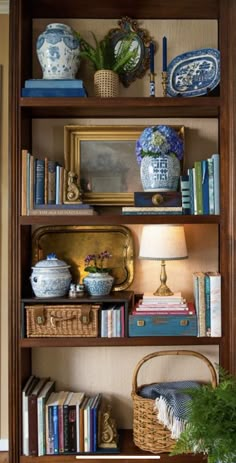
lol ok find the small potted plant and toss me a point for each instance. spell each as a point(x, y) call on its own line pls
point(159, 150)
point(108, 62)
point(211, 423)
point(99, 281)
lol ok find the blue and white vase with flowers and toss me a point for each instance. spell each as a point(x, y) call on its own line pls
point(159, 151)
point(99, 281)
point(58, 50)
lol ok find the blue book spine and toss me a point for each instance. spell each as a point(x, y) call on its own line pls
point(205, 187)
point(191, 191)
point(208, 305)
point(55, 429)
point(216, 176)
point(53, 92)
point(63, 206)
point(58, 184)
point(39, 181)
point(211, 186)
point(54, 83)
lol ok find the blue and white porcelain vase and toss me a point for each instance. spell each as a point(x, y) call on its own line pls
point(58, 52)
point(98, 284)
point(50, 277)
point(160, 173)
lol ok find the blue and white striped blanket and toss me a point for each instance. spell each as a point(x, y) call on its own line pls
point(171, 403)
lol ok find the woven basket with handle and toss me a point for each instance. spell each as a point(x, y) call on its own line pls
point(148, 433)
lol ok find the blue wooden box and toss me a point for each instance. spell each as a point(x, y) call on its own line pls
point(162, 325)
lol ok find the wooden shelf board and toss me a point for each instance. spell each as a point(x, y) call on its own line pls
point(161, 9)
point(127, 448)
point(118, 219)
point(120, 342)
point(122, 107)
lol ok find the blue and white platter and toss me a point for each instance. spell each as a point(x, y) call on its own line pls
point(194, 73)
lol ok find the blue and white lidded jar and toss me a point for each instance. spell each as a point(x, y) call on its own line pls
point(58, 51)
point(50, 277)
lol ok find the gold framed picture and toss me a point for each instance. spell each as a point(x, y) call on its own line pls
point(104, 160)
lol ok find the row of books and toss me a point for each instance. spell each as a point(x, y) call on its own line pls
point(42, 192)
point(113, 322)
point(61, 422)
point(200, 188)
point(53, 88)
point(207, 296)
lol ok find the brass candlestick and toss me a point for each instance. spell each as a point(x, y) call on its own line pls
point(164, 80)
point(152, 84)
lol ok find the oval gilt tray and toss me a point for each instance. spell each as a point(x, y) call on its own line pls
point(73, 243)
point(194, 73)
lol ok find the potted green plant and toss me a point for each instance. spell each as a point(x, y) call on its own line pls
point(211, 423)
point(108, 62)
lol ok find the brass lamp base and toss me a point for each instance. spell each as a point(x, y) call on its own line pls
point(163, 289)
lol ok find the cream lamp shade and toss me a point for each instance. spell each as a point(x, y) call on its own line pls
point(163, 242)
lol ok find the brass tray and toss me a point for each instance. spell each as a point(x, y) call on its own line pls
point(73, 243)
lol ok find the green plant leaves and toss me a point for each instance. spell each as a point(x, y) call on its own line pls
point(211, 427)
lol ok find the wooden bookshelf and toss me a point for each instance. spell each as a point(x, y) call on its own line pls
point(23, 111)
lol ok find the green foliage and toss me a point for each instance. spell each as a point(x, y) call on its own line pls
point(103, 56)
point(211, 427)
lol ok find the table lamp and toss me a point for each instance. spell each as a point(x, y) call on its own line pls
point(163, 242)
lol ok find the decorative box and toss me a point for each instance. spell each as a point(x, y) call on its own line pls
point(62, 320)
point(162, 325)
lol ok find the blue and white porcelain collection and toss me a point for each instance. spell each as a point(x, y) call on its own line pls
point(58, 50)
point(194, 73)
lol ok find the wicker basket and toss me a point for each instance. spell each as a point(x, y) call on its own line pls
point(62, 320)
point(148, 433)
point(106, 83)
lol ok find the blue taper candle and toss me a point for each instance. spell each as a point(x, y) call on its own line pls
point(151, 54)
point(164, 54)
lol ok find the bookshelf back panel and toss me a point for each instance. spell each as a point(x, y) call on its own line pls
point(110, 371)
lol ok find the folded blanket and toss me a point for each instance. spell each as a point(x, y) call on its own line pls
point(171, 403)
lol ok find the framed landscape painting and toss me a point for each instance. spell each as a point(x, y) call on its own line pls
point(104, 159)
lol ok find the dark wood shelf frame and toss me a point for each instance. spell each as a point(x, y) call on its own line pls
point(23, 110)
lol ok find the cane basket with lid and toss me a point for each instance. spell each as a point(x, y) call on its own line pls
point(148, 433)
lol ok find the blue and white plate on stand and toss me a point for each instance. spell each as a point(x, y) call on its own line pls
point(194, 73)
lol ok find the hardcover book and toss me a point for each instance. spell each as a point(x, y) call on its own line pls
point(33, 417)
point(29, 386)
point(53, 92)
point(41, 401)
point(54, 83)
point(132, 210)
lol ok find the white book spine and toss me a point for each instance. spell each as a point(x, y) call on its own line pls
point(215, 304)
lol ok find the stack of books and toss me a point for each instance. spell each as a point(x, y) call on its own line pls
point(200, 188)
point(163, 316)
point(207, 295)
point(164, 305)
point(54, 88)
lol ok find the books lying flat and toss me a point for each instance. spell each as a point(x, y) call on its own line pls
point(189, 310)
point(61, 211)
point(151, 298)
point(54, 83)
point(132, 210)
point(53, 92)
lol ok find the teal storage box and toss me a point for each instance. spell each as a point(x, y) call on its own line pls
point(162, 325)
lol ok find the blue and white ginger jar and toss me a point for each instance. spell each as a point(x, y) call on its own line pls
point(160, 173)
point(98, 284)
point(58, 52)
point(50, 277)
